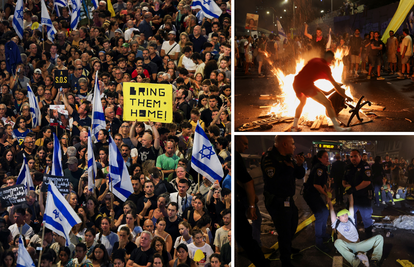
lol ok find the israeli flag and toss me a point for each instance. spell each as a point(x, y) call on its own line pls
point(24, 177)
point(59, 3)
point(118, 172)
point(34, 107)
point(57, 157)
point(75, 17)
point(95, 3)
point(59, 215)
point(23, 256)
point(209, 7)
point(18, 19)
point(280, 31)
point(98, 116)
point(51, 31)
point(204, 160)
point(91, 164)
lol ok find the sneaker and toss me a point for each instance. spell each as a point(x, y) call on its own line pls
point(369, 77)
point(261, 75)
point(401, 77)
point(380, 78)
point(295, 129)
point(399, 73)
point(393, 203)
point(364, 71)
point(383, 202)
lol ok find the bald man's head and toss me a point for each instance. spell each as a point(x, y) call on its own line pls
point(285, 144)
point(242, 143)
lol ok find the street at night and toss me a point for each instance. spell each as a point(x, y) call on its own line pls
point(397, 96)
point(397, 242)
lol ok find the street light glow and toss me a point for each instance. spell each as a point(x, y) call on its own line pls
point(280, 16)
point(284, 10)
point(268, 12)
point(296, 6)
point(321, 11)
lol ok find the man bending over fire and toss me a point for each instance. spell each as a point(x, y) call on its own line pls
point(316, 69)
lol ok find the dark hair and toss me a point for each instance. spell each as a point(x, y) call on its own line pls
point(105, 258)
point(378, 159)
point(318, 155)
point(67, 250)
point(173, 204)
point(8, 253)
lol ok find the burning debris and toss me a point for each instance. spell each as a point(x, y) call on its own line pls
point(349, 113)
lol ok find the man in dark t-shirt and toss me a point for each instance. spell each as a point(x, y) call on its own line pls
point(386, 165)
point(144, 254)
point(172, 221)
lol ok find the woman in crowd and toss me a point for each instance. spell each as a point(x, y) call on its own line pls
point(159, 231)
point(159, 246)
point(182, 257)
point(100, 257)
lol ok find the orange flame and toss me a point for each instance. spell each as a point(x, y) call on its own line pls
point(288, 102)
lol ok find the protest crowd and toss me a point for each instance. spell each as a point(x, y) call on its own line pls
point(135, 193)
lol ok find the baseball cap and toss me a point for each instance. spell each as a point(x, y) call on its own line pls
point(125, 45)
point(38, 71)
point(119, 31)
point(342, 212)
point(172, 32)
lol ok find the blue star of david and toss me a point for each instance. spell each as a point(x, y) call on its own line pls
point(44, 21)
point(20, 13)
point(209, 151)
point(56, 212)
point(206, 2)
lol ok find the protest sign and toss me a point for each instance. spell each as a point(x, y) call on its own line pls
point(148, 101)
point(62, 183)
point(61, 78)
point(12, 195)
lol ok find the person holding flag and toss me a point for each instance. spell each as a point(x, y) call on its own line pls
point(120, 182)
point(34, 107)
point(92, 169)
point(57, 169)
point(46, 21)
point(318, 41)
point(23, 257)
point(24, 177)
point(18, 19)
point(204, 159)
point(59, 215)
point(75, 17)
point(98, 116)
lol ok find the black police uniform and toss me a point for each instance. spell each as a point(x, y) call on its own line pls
point(243, 229)
point(354, 175)
point(318, 176)
point(337, 173)
point(280, 186)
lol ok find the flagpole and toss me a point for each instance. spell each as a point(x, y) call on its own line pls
point(41, 250)
point(198, 175)
point(43, 33)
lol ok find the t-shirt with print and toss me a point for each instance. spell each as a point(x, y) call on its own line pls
point(347, 231)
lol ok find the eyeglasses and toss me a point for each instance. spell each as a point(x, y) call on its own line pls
point(79, 69)
point(64, 138)
point(125, 126)
point(31, 142)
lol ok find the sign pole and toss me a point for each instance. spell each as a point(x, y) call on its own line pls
point(41, 250)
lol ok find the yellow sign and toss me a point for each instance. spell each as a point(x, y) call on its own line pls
point(143, 101)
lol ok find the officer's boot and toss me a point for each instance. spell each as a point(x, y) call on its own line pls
point(368, 232)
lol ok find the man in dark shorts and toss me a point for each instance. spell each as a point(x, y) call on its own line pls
point(316, 69)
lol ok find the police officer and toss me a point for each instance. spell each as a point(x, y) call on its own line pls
point(279, 173)
point(358, 176)
point(316, 196)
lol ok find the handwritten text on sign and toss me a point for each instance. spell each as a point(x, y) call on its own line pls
point(143, 101)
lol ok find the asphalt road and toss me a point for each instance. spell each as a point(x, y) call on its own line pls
point(397, 96)
point(398, 246)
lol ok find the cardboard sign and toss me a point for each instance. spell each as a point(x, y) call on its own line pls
point(62, 183)
point(12, 195)
point(148, 101)
point(61, 78)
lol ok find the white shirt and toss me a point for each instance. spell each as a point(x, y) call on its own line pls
point(167, 47)
point(186, 202)
point(407, 41)
point(189, 64)
point(27, 231)
point(206, 249)
point(128, 33)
